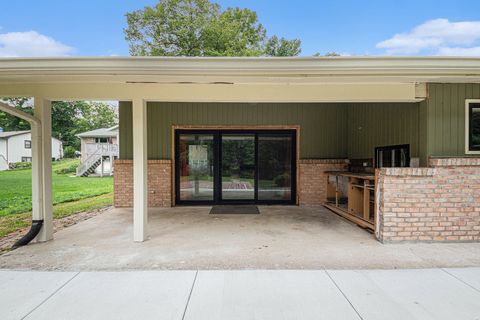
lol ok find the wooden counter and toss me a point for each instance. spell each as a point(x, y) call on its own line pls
point(352, 195)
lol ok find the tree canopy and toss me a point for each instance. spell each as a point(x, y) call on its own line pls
point(201, 28)
point(69, 118)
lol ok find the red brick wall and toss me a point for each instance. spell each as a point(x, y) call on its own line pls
point(439, 203)
point(312, 188)
point(159, 183)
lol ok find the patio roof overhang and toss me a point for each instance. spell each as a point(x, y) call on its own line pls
point(241, 70)
point(142, 79)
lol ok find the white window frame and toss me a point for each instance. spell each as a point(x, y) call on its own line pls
point(467, 126)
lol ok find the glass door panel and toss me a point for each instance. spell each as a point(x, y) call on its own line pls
point(237, 167)
point(275, 167)
point(196, 167)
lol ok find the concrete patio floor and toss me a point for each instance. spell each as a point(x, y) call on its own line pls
point(190, 238)
point(434, 294)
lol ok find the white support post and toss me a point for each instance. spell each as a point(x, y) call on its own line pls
point(42, 205)
point(140, 190)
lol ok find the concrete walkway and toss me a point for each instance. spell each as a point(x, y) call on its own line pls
point(247, 294)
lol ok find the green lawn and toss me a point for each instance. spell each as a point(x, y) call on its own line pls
point(16, 188)
point(13, 222)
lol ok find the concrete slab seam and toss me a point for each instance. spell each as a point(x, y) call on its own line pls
point(190, 295)
point(344, 295)
point(51, 295)
point(459, 279)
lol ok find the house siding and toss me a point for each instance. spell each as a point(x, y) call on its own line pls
point(445, 117)
point(15, 149)
point(434, 127)
point(372, 125)
point(327, 131)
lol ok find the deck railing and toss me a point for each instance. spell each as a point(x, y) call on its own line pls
point(104, 149)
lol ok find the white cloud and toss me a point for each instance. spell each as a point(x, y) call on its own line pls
point(459, 51)
point(438, 36)
point(31, 44)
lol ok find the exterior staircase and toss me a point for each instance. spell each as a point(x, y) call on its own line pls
point(89, 166)
point(95, 159)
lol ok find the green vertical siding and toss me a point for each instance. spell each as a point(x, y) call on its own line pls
point(323, 131)
point(322, 126)
point(445, 117)
point(434, 127)
point(380, 124)
point(327, 130)
point(125, 130)
point(422, 132)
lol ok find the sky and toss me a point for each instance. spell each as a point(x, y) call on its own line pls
point(362, 27)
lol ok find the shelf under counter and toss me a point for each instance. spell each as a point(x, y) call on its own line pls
point(358, 189)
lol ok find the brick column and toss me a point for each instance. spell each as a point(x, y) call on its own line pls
point(159, 183)
point(312, 186)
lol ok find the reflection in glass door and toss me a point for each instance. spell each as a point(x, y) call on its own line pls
point(275, 167)
point(238, 167)
point(196, 170)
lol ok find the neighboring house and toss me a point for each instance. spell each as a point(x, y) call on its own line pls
point(16, 146)
point(391, 143)
point(99, 149)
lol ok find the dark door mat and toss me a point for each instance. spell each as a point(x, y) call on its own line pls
point(235, 209)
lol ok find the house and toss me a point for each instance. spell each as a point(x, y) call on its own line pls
point(99, 149)
point(16, 146)
point(390, 143)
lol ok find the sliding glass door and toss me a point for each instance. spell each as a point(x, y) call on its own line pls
point(229, 167)
point(195, 167)
point(275, 167)
point(237, 159)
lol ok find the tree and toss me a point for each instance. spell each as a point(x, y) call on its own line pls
point(282, 47)
point(12, 123)
point(69, 118)
point(328, 54)
point(200, 28)
point(171, 28)
point(236, 32)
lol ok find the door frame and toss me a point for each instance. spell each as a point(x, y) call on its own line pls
point(235, 129)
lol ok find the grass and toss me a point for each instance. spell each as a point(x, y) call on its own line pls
point(16, 188)
point(70, 195)
point(13, 222)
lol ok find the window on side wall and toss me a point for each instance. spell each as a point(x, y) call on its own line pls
point(472, 127)
point(101, 140)
point(28, 144)
point(392, 156)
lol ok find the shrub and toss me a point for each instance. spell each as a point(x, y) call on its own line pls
point(20, 165)
point(69, 152)
point(282, 180)
point(70, 169)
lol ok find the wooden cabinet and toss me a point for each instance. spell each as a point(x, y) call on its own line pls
point(358, 204)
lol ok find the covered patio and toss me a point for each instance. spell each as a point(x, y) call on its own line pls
point(147, 83)
point(280, 237)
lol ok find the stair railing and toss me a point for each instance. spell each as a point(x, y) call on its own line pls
point(89, 162)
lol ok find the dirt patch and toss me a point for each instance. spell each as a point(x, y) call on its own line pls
point(7, 242)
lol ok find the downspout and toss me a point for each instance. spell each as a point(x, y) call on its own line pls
point(31, 234)
point(36, 224)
